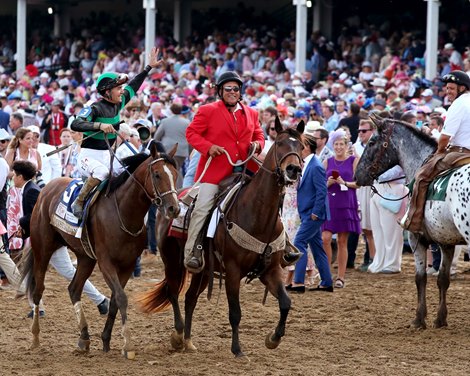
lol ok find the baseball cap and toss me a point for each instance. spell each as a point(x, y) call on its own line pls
point(4, 135)
point(34, 129)
point(427, 93)
point(143, 122)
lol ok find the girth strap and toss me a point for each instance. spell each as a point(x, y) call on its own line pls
point(245, 240)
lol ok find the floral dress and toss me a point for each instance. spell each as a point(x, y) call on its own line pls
point(14, 205)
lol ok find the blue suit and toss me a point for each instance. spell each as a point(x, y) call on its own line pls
point(312, 198)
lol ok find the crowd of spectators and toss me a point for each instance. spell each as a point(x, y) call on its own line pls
point(362, 70)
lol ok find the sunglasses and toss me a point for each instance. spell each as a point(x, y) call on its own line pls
point(364, 130)
point(228, 89)
point(272, 129)
point(3, 141)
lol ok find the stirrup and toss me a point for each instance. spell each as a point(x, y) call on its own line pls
point(77, 208)
point(195, 260)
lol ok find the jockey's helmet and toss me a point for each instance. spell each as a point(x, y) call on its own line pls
point(226, 77)
point(457, 77)
point(110, 80)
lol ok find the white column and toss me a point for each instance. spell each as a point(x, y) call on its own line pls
point(149, 6)
point(21, 37)
point(300, 35)
point(432, 28)
point(177, 21)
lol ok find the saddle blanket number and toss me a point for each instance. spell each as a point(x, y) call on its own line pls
point(63, 209)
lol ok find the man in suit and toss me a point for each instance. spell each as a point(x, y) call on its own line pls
point(219, 127)
point(312, 204)
point(172, 130)
point(23, 173)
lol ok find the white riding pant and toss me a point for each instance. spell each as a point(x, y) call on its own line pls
point(204, 204)
point(94, 163)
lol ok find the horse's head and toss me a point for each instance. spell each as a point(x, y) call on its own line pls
point(162, 182)
point(380, 153)
point(284, 157)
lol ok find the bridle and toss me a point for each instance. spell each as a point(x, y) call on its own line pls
point(385, 144)
point(277, 170)
point(157, 198)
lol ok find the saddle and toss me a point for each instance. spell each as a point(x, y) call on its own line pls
point(64, 219)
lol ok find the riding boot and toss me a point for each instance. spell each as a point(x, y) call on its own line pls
point(291, 254)
point(194, 261)
point(77, 206)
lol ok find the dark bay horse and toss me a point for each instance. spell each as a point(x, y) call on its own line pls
point(117, 234)
point(256, 210)
point(445, 222)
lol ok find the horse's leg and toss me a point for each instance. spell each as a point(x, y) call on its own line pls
point(419, 247)
point(198, 284)
point(118, 301)
point(62, 263)
point(273, 281)
point(443, 282)
point(232, 288)
point(39, 269)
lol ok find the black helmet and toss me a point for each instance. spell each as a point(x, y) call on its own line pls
point(109, 80)
point(457, 77)
point(228, 76)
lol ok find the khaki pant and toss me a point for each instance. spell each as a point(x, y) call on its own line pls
point(11, 271)
point(425, 175)
point(204, 204)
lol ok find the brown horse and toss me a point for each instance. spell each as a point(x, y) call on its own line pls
point(117, 234)
point(256, 210)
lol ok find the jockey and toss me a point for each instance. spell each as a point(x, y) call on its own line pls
point(100, 121)
point(453, 145)
point(219, 127)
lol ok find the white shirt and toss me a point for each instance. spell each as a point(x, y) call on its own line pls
point(307, 160)
point(51, 166)
point(4, 171)
point(457, 123)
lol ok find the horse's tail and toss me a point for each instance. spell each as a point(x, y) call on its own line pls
point(26, 268)
point(176, 280)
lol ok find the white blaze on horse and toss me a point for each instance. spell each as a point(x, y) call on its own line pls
point(446, 221)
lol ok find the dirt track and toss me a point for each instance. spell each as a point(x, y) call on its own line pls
point(361, 330)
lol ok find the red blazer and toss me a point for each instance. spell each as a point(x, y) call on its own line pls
point(214, 125)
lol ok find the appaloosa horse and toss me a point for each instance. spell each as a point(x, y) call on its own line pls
point(256, 212)
point(117, 234)
point(446, 222)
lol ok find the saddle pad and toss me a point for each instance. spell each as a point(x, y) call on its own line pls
point(179, 226)
point(438, 188)
point(63, 210)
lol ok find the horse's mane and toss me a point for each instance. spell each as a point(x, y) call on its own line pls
point(421, 135)
point(130, 164)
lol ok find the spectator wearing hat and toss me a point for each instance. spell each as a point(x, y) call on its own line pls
point(331, 118)
point(428, 99)
point(366, 74)
point(172, 131)
point(455, 58)
point(54, 122)
point(5, 138)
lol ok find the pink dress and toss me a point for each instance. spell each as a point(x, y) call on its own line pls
point(14, 205)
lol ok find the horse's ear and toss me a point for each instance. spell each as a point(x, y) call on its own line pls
point(301, 126)
point(156, 147)
point(378, 121)
point(173, 150)
point(278, 125)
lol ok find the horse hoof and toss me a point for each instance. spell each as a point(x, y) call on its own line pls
point(189, 347)
point(419, 325)
point(439, 324)
point(176, 341)
point(84, 345)
point(270, 342)
point(130, 355)
point(242, 357)
point(35, 344)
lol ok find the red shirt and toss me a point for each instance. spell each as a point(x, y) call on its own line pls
point(213, 124)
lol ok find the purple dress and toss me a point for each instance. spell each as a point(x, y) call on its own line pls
point(343, 204)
